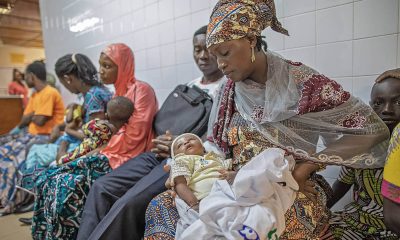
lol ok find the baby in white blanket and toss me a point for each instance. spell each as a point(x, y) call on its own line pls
point(252, 207)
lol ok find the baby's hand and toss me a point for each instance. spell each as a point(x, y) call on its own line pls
point(227, 175)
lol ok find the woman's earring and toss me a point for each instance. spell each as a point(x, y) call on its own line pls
point(253, 56)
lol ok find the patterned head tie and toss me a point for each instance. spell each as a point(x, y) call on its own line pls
point(235, 19)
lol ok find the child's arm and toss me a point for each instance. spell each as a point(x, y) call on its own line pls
point(184, 192)
point(342, 185)
point(73, 130)
point(62, 150)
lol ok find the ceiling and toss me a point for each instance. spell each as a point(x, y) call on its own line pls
point(22, 27)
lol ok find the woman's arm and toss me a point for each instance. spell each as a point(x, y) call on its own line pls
point(185, 193)
point(301, 174)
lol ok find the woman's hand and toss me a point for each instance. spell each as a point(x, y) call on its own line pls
point(227, 175)
point(301, 174)
point(162, 145)
point(394, 73)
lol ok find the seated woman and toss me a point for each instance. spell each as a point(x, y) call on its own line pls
point(269, 102)
point(363, 218)
point(45, 110)
point(17, 87)
point(62, 191)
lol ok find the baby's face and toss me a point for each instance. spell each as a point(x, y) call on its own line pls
point(188, 145)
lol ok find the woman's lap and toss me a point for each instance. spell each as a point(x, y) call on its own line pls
point(162, 217)
point(61, 194)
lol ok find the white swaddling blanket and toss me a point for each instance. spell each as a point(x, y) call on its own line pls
point(252, 208)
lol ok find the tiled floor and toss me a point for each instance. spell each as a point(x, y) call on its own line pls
point(12, 229)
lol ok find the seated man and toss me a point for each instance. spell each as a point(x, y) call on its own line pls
point(363, 218)
point(116, 204)
point(45, 110)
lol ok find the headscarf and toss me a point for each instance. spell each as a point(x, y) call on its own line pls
point(134, 137)
point(235, 19)
point(123, 57)
point(303, 112)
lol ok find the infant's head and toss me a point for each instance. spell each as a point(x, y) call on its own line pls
point(188, 144)
point(119, 110)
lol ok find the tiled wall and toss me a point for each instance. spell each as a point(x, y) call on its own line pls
point(349, 41)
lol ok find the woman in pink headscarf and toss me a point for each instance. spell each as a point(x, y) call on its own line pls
point(62, 191)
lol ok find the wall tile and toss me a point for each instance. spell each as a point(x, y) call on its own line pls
point(182, 7)
point(183, 54)
point(137, 4)
point(168, 77)
point(346, 83)
point(367, 21)
point(166, 10)
point(162, 94)
point(138, 19)
point(199, 19)
point(152, 36)
point(153, 57)
point(364, 85)
point(301, 29)
point(183, 28)
point(197, 5)
point(335, 24)
point(168, 55)
point(140, 60)
point(153, 77)
point(331, 3)
point(294, 7)
point(398, 50)
point(374, 55)
point(335, 59)
point(274, 40)
point(305, 55)
point(139, 39)
point(184, 72)
point(151, 14)
point(165, 32)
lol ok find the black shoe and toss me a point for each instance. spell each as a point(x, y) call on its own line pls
point(26, 221)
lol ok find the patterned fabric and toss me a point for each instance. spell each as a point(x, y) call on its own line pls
point(95, 101)
point(391, 179)
point(362, 218)
point(231, 20)
point(12, 156)
point(161, 218)
point(97, 132)
point(61, 195)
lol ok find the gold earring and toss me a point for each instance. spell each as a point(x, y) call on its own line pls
point(253, 56)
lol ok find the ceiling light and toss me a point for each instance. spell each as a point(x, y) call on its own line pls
point(84, 24)
point(5, 7)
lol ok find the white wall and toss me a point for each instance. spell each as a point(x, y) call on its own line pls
point(349, 41)
point(6, 65)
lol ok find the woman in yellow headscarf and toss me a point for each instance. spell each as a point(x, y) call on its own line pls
point(269, 102)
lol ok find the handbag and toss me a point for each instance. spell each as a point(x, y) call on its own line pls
point(186, 110)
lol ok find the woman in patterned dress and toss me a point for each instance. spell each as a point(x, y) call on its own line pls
point(272, 102)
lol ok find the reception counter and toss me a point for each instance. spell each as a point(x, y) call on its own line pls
point(10, 112)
